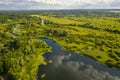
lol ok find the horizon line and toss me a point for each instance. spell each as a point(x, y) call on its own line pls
point(54, 9)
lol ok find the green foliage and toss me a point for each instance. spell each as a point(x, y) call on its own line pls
point(20, 50)
point(93, 33)
point(56, 32)
point(97, 37)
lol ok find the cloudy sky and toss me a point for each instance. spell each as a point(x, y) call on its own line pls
point(58, 4)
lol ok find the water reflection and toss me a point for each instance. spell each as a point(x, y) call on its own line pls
point(42, 22)
point(71, 66)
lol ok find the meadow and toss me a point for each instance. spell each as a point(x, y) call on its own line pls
point(96, 37)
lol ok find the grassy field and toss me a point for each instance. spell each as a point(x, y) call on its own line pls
point(95, 37)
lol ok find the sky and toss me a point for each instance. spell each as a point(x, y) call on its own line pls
point(58, 4)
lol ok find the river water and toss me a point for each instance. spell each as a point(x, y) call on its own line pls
point(71, 66)
point(42, 22)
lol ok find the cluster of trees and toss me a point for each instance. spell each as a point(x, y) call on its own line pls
point(20, 50)
point(56, 32)
point(19, 58)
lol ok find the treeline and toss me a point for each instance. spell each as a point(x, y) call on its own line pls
point(56, 32)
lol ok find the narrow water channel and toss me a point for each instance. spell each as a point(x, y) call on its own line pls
point(71, 66)
point(42, 22)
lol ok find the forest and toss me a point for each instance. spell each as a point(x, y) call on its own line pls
point(94, 33)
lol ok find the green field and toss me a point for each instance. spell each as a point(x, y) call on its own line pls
point(21, 50)
point(95, 37)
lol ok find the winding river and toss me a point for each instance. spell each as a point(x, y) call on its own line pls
point(66, 65)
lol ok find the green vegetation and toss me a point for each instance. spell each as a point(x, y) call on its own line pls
point(83, 32)
point(98, 38)
point(20, 51)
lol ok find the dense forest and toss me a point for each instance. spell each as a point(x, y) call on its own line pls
point(95, 33)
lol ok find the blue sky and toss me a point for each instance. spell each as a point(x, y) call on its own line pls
point(58, 4)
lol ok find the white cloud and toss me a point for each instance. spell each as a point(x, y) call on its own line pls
point(50, 2)
point(59, 4)
point(96, 4)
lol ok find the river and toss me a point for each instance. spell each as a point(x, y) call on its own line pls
point(66, 65)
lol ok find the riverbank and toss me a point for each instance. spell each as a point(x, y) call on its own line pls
point(67, 65)
point(93, 38)
point(22, 62)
